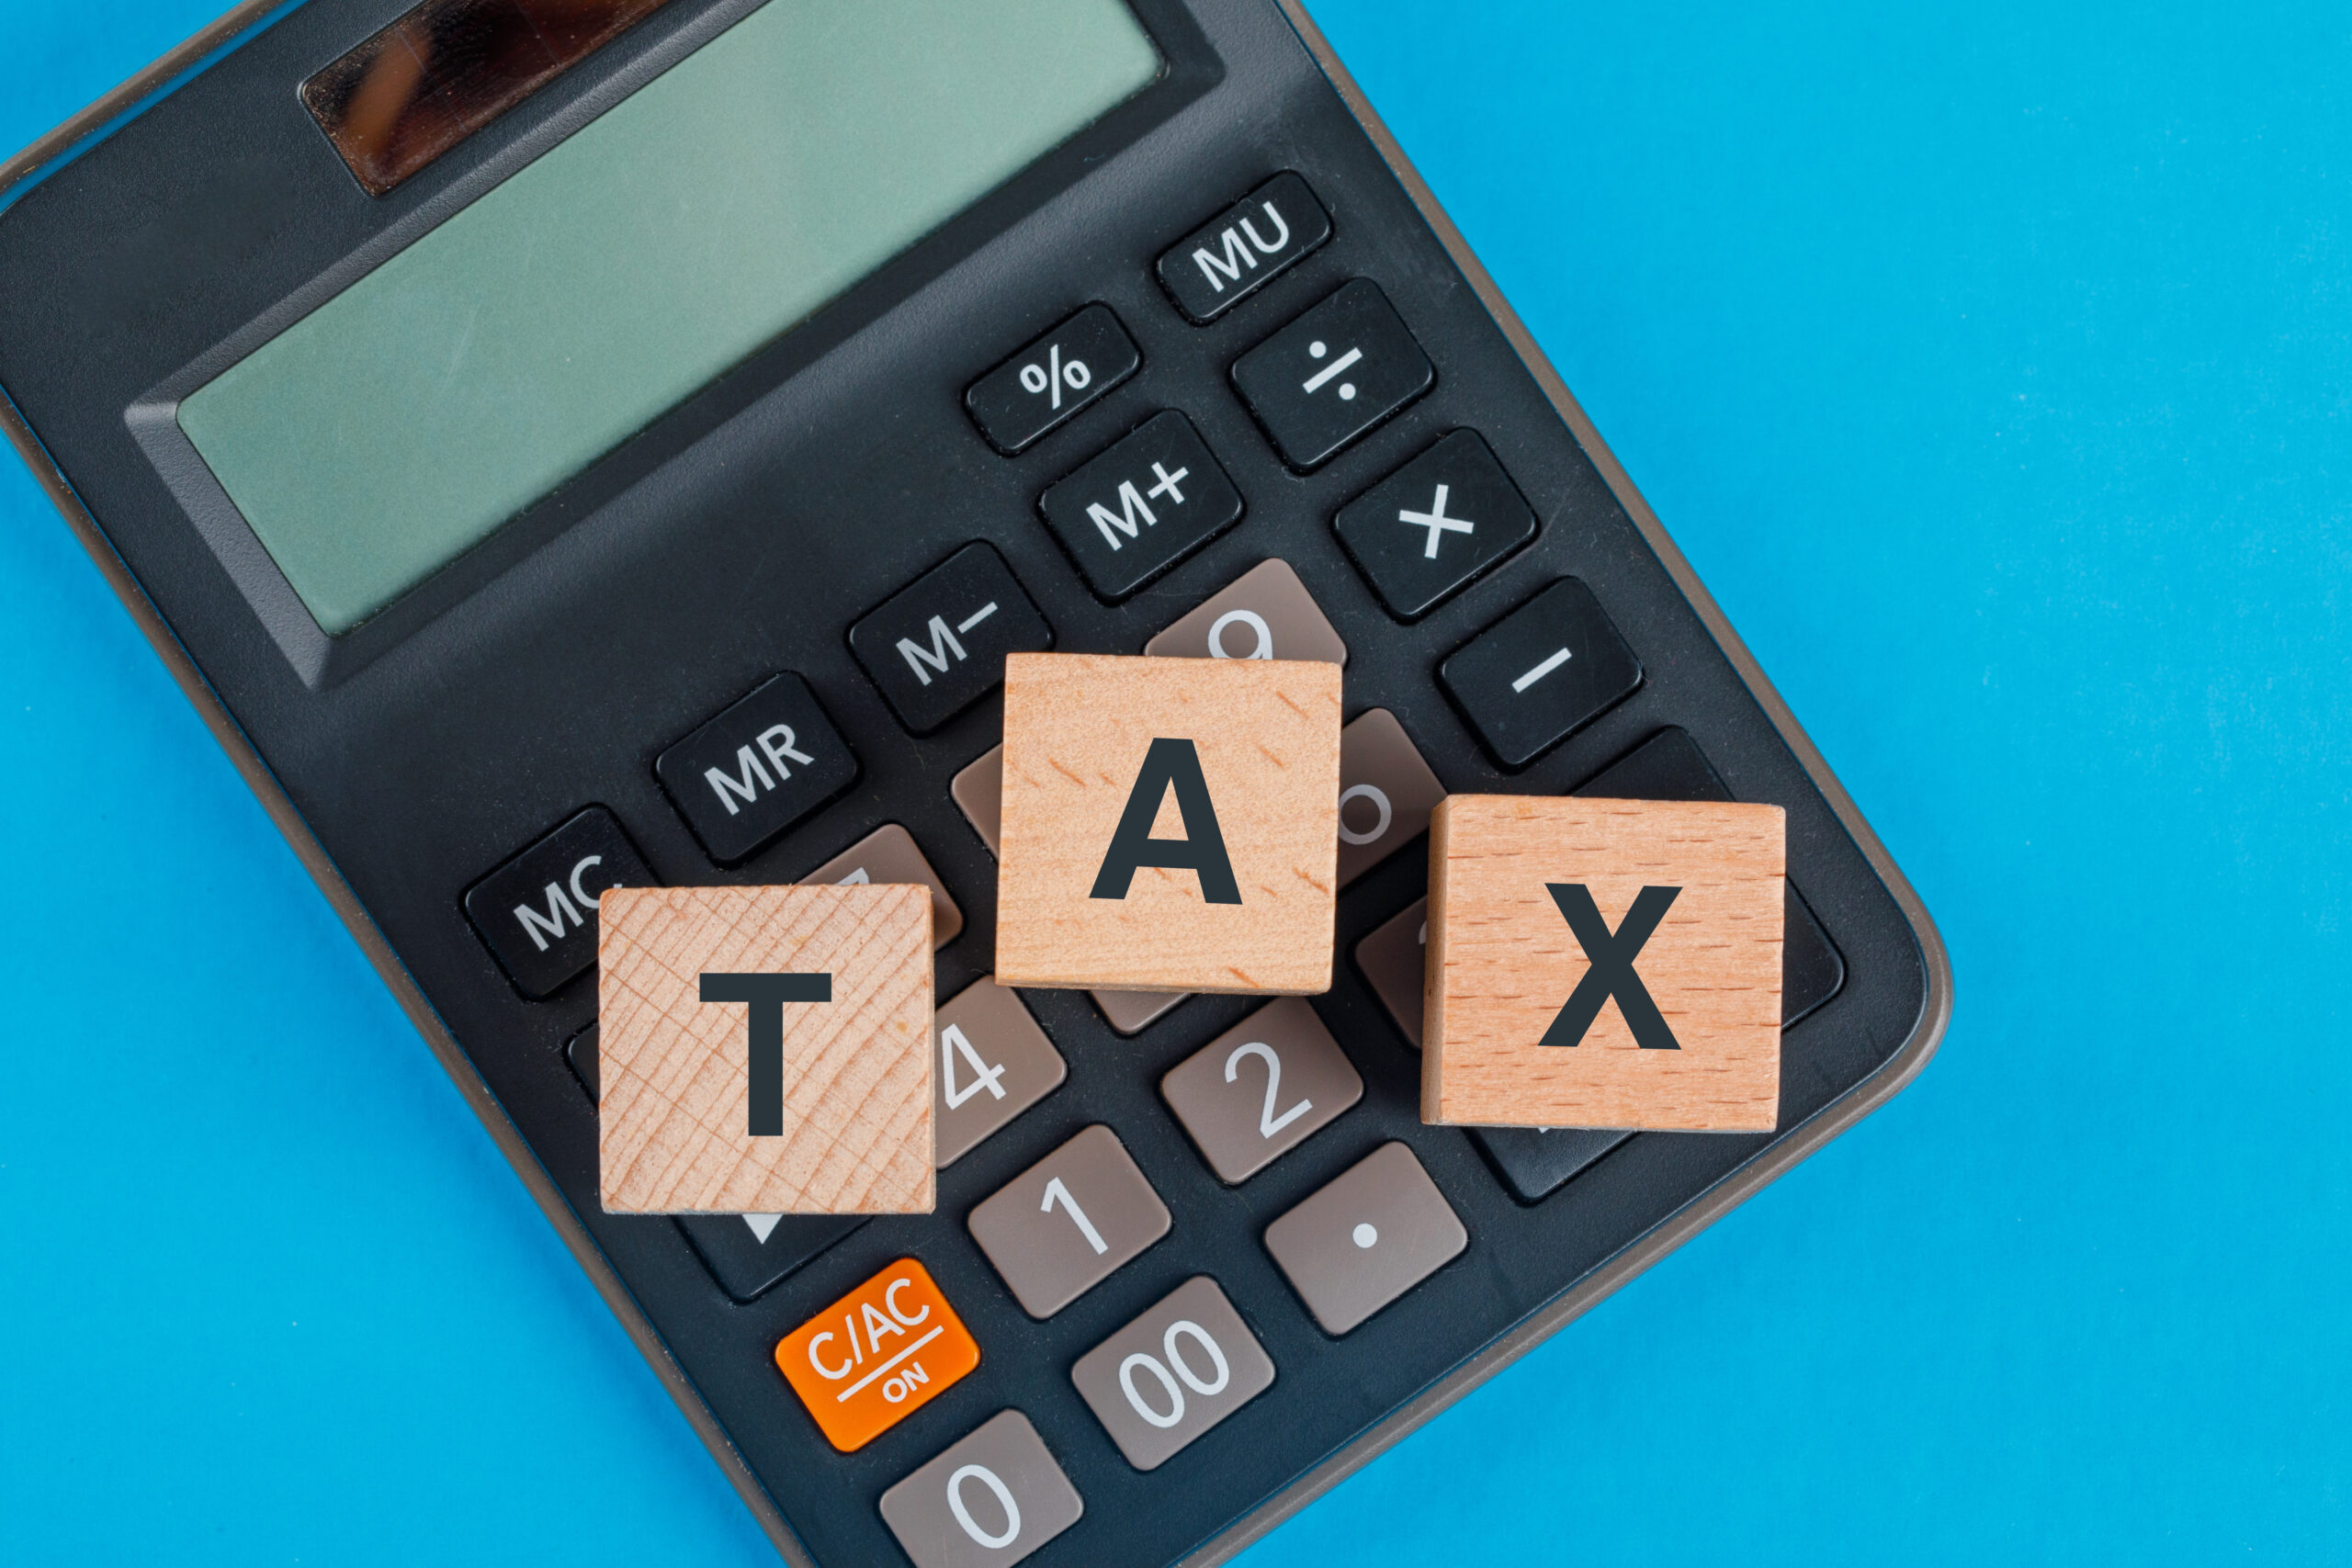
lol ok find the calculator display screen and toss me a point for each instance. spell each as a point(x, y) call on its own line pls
point(401, 421)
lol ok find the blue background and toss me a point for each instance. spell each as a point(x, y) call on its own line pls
point(1992, 368)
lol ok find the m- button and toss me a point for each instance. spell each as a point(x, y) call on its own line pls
point(937, 646)
point(537, 912)
point(762, 764)
point(1142, 506)
point(877, 1355)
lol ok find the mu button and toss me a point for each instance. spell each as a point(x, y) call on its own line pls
point(877, 1355)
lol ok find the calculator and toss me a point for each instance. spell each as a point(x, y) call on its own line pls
point(564, 444)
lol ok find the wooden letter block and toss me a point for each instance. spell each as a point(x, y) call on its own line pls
point(1603, 964)
point(764, 1050)
point(1168, 824)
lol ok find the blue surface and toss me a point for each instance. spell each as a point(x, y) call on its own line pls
point(1991, 368)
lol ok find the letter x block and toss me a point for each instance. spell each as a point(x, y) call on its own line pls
point(1603, 964)
point(764, 1050)
point(1170, 824)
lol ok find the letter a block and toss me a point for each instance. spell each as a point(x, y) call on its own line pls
point(764, 1050)
point(1170, 824)
point(1603, 964)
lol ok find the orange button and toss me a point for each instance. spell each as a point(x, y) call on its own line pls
point(878, 1354)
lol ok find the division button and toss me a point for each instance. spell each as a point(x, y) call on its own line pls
point(1545, 670)
point(1142, 506)
point(1064, 1224)
point(1173, 1373)
point(877, 1355)
point(994, 1063)
point(1366, 1237)
point(1387, 792)
point(888, 855)
point(762, 764)
point(1425, 531)
point(1242, 249)
point(1332, 374)
point(991, 1499)
point(1266, 613)
point(1261, 1088)
point(1051, 379)
point(1393, 959)
point(937, 646)
point(537, 913)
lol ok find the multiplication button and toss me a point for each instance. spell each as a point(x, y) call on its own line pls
point(1373, 1233)
point(1545, 670)
point(1426, 530)
point(1052, 379)
point(1142, 506)
point(1167, 1378)
point(1333, 374)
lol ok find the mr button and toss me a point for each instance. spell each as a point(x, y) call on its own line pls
point(877, 1355)
point(1168, 824)
point(1603, 964)
point(764, 1050)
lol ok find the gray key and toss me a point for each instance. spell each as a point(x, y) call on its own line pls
point(994, 1063)
point(1182, 1367)
point(1062, 1227)
point(888, 855)
point(990, 1500)
point(1266, 613)
point(1370, 1234)
point(1386, 793)
point(1393, 959)
point(979, 792)
point(1257, 1091)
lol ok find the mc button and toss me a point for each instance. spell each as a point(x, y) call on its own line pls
point(537, 913)
point(877, 1355)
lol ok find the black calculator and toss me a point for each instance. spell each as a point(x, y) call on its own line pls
point(560, 444)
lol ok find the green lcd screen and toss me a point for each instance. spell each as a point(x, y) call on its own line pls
point(405, 419)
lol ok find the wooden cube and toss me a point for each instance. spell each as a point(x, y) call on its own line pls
point(1168, 824)
point(764, 1050)
point(1603, 964)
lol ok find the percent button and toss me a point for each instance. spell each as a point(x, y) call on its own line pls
point(1052, 379)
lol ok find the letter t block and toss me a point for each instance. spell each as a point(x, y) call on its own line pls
point(1603, 964)
point(1170, 824)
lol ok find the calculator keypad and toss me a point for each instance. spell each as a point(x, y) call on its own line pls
point(1266, 613)
point(1366, 1237)
point(877, 1355)
point(992, 1498)
point(1049, 381)
point(1142, 506)
point(1538, 1161)
point(1541, 674)
point(937, 646)
point(1333, 374)
point(537, 913)
point(1261, 1088)
point(1387, 792)
point(1068, 1223)
point(994, 1063)
point(1167, 1378)
point(1393, 960)
point(888, 855)
point(762, 764)
point(1242, 249)
point(1420, 534)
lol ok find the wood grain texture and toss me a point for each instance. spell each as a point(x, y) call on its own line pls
point(1502, 961)
point(673, 1116)
point(1077, 727)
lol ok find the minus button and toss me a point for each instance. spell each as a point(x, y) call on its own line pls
point(1558, 659)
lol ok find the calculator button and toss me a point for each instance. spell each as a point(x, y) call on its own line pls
point(1669, 766)
point(1266, 613)
point(1537, 1161)
point(748, 1255)
point(1387, 792)
point(877, 1355)
point(1064, 1225)
point(937, 646)
point(1167, 1376)
point(979, 791)
point(1426, 530)
point(888, 855)
point(1244, 248)
point(1547, 668)
point(1393, 959)
point(1261, 1088)
point(537, 913)
point(1332, 374)
point(762, 764)
point(1142, 506)
point(993, 1498)
point(1051, 379)
point(1366, 1237)
point(994, 1063)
